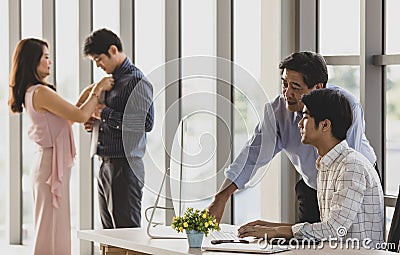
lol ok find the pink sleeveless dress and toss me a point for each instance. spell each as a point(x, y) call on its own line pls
point(50, 179)
point(50, 131)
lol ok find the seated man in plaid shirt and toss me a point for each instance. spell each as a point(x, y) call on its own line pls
point(350, 196)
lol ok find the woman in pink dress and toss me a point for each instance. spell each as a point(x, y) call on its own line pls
point(51, 118)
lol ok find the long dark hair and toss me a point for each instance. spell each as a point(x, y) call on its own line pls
point(26, 59)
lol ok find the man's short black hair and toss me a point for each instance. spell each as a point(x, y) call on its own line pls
point(332, 105)
point(100, 41)
point(310, 64)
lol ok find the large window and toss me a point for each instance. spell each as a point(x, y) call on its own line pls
point(343, 14)
point(392, 74)
point(392, 173)
point(199, 118)
point(248, 102)
point(338, 38)
point(31, 27)
point(392, 105)
point(347, 77)
point(346, 41)
point(149, 58)
point(392, 30)
point(105, 15)
point(67, 81)
point(4, 152)
point(340, 42)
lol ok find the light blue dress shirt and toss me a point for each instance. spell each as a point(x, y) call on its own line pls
point(268, 140)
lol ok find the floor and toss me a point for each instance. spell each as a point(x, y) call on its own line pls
point(26, 249)
point(15, 249)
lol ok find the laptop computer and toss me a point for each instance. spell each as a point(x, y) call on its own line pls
point(247, 245)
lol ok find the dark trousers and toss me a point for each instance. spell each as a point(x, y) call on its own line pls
point(308, 210)
point(120, 194)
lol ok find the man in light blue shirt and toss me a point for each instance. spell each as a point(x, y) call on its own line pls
point(302, 72)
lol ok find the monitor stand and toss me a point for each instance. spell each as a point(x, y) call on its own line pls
point(165, 232)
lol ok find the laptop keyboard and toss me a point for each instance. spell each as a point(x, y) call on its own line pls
point(224, 235)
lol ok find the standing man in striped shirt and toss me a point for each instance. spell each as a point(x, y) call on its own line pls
point(350, 196)
point(121, 139)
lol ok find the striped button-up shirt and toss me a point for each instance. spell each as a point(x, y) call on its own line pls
point(350, 199)
point(128, 114)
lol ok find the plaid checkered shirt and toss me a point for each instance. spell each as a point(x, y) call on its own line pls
point(350, 199)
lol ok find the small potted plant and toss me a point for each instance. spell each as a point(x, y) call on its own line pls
point(196, 223)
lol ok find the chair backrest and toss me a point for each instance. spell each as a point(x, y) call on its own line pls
point(394, 232)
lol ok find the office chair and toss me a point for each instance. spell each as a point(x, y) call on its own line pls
point(394, 232)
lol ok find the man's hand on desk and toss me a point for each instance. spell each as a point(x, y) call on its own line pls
point(264, 223)
point(260, 231)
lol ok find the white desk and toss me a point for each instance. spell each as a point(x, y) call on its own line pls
point(136, 239)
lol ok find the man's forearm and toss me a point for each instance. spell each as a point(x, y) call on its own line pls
point(226, 190)
point(218, 205)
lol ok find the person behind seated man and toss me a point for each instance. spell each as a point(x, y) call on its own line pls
point(349, 192)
